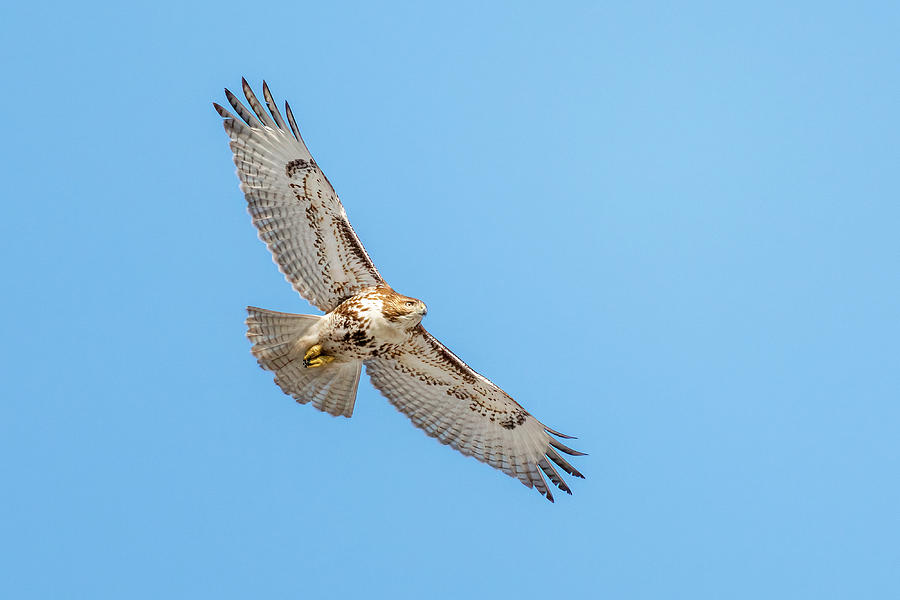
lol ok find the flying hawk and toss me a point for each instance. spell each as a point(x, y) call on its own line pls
point(318, 358)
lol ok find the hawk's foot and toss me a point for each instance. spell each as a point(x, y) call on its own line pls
point(314, 357)
point(319, 361)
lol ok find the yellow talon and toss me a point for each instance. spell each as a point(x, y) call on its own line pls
point(315, 358)
point(319, 361)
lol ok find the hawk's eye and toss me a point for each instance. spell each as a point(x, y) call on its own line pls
point(410, 303)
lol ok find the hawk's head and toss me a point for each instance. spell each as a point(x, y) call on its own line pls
point(405, 311)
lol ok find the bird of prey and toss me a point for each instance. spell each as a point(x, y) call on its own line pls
point(318, 358)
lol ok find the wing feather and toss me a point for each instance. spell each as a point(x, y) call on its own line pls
point(273, 108)
point(241, 110)
point(294, 128)
point(293, 205)
point(263, 116)
point(449, 401)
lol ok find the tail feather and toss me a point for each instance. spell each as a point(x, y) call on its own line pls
point(278, 345)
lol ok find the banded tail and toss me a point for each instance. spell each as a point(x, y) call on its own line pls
point(277, 346)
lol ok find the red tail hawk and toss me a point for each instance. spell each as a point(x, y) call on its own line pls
point(318, 358)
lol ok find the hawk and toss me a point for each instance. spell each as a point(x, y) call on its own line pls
point(318, 358)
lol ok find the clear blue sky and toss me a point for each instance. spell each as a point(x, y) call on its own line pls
point(672, 232)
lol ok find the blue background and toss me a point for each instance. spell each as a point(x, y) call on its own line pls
point(671, 231)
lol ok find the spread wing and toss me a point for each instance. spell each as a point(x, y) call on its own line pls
point(293, 205)
point(447, 399)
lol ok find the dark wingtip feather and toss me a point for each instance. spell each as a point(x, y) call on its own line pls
point(558, 434)
point(273, 108)
point(293, 123)
point(563, 448)
point(255, 105)
point(548, 469)
point(241, 110)
point(562, 463)
point(232, 99)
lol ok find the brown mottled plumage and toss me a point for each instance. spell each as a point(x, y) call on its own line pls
point(318, 359)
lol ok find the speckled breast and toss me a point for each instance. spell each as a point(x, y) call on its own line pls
point(357, 329)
